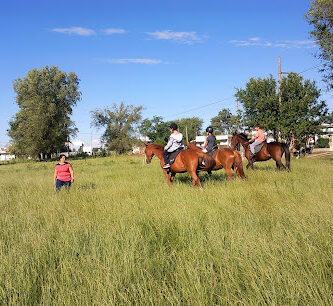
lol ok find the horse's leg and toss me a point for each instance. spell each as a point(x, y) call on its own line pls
point(166, 173)
point(280, 165)
point(277, 165)
point(228, 172)
point(209, 173)
point(172, 177)
point(249, 159)
point(277, 157)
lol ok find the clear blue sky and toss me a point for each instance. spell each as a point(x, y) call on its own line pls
point(169, 56)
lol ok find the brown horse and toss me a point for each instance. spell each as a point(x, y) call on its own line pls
point(269, 150)
point(187, 160)
point(225, 158)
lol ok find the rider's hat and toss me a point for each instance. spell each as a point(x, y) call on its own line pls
point(209, 129)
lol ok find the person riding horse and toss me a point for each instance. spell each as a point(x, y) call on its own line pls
point(175, 143)
point(258, 139)
point(210, 140)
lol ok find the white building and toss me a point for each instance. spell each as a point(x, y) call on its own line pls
point(225, 140)
point(4, 155)
point(222, 140)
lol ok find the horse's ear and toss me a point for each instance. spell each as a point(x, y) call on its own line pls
point(146, 144)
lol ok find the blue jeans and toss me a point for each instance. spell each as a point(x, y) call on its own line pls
point(59, 184)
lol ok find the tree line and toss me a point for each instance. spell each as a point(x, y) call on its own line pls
point(46, 98)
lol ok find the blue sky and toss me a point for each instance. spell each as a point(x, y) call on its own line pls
point(169, 56)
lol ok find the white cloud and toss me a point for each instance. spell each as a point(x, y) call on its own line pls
point(111, 31)
point(256, 41)
point(182, 37)
point(75, 30)
point(133, 61)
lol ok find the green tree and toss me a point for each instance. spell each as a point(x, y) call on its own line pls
point(193, 125)
point(320, 16)
point(155, 129)
point(260, 104)
point(225, 122)
point(301, 112)
point(121, 125)
point(45, 98)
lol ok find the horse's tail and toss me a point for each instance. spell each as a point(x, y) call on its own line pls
point(238, 165)
point(286, 154)
point(205, 161)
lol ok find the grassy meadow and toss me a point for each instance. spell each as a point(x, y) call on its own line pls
point(121, 236)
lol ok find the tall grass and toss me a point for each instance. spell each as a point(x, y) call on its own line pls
point(121, 236)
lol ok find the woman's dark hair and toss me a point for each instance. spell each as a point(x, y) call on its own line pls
point(257, 125)
point(173, 126)
point(61, 155)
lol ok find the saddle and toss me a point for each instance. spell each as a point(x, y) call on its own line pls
point(213, 150)
point(173, 155)
point(259, 147)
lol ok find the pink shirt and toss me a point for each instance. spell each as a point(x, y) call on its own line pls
point(260, 136)
point(63, 173)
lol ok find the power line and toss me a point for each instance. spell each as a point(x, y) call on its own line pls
point(199, 107)
point(313, 67)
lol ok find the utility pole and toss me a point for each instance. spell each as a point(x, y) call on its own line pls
point(238, 127)
point(280, 93)
point(91, 143)
point(186, 135)
point(280, 79)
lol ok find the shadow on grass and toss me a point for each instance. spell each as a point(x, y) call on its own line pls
point(204, 177)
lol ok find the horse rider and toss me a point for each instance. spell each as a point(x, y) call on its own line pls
point(210, 140)
point(258, 138)
point(175, 143)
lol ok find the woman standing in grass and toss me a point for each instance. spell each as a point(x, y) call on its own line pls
point(63, 173)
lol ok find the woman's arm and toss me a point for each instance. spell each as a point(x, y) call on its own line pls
point(55, 176)
point(206, 144)
point(72, 173)
point(169, 144)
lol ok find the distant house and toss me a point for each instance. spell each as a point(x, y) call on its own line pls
point(221, 140)
point(224, 141)
point(327, 129)
point(5, 155)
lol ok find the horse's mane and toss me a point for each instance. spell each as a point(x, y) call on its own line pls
point(157, 146)
point(243, 135)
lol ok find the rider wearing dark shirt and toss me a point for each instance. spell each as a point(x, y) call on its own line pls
point(210, 140)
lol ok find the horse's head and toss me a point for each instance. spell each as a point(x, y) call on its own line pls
point(148, 152)
point(234, 141)
point(238, 138)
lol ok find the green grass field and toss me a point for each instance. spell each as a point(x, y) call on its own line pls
point(121, 236)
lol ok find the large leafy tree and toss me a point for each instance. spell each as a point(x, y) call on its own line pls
point(301, 111)
point(193, 126)
point(155, 129)
point(45, 98)
point(260, 104)
point(121, 126)
point(225, 122)
point(158, 131)
point(320, 16)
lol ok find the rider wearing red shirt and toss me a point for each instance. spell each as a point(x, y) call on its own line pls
point(258, 138)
